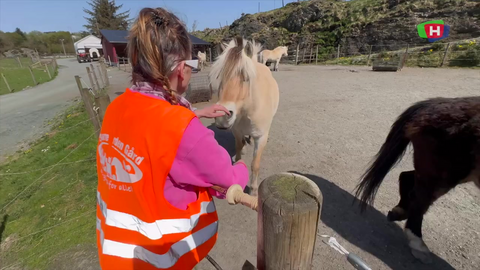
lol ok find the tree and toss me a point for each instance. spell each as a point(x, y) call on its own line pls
point(104, 16)
point(194, 26)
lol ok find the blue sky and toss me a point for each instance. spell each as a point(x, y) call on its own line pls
point(67, 15)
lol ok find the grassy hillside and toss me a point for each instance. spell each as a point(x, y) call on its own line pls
point(388, 24)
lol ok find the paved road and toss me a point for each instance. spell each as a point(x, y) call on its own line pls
point(23, 114)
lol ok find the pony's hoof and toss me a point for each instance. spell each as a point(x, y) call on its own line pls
point(247, 190)
point(396, 214)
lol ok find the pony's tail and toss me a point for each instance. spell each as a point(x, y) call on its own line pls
point(389, 155)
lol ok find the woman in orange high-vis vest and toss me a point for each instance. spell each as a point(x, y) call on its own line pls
point(156, 161)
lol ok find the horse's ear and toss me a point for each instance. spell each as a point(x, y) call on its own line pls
point(249, 49)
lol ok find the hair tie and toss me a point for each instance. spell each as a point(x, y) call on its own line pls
point(157, 19)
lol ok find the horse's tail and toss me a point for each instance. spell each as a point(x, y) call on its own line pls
point(389, 155)
point(238, 58)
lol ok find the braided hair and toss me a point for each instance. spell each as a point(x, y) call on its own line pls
point(157, 41)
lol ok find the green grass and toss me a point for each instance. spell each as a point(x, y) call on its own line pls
point(48, 210)
point(19, 78)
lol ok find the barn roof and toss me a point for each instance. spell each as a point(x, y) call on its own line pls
point(120, 36)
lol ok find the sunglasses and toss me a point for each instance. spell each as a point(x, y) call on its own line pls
point(191, 63)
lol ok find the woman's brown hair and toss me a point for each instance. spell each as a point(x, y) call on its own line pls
point(157, 41)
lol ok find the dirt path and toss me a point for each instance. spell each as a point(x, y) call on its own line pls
point(329, 125)
point(23, 114)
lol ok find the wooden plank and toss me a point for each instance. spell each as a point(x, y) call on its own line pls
point(289, 206)
point(316, 56)
point(6, 82)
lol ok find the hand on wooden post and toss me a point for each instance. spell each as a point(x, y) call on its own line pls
point(235, 195)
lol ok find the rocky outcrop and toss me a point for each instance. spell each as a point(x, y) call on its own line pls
point(354, 24)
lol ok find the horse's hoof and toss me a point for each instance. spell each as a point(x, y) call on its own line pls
point(396, 214)
point(247, 190)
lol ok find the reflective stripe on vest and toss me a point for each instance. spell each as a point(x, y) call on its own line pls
point(161, 261)
point(154, 230)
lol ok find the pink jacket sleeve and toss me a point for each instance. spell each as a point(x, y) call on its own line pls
point(201, 161)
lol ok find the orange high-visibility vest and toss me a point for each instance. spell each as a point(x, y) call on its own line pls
point(136, 227)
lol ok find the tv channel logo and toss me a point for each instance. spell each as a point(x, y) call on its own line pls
point(433, 30)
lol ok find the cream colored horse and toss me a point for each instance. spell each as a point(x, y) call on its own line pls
point(249, 91)
point(274, 55)
point(202, 59)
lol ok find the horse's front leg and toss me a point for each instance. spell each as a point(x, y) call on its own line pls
point(276, 66)
point(239, 144)
point(259, 146)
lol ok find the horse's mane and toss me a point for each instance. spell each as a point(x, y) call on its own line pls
point(237, 59)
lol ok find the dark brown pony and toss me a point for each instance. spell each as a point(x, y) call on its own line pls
point(445, 134)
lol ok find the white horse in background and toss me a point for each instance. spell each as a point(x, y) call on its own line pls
point(249, 91)
point(202, 59)
point(274, 55)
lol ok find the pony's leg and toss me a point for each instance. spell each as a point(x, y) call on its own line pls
point(422, 199)
point(259, 143)
point(406, 184)
point(239, 144)
point(276, 66)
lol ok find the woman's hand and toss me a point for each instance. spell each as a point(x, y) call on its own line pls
point(213, 111)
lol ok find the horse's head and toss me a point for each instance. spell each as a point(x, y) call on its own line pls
point(232, 75)
point(285, 51)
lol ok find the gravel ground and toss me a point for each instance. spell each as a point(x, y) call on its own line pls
point(330, 123)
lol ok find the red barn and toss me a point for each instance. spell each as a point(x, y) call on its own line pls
point(114, 44)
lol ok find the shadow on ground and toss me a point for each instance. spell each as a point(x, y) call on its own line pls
point(225, 139)
point(371, 232)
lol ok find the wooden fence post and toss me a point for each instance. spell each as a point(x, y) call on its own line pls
point(316, 56)
point(125, 64)
point(105, 73)
point(310, 59)
point(369, 54)
point(289, 206)
point(19, 62)
point(210, 54)
point(89, 73)
point(87, 101)
point(102, 100)
point(5, 80)
point(445, 54)
point(296, 54)
point(48, 71)
point(33, 76)
point(304, 51)
point(100, 74)
point(95, 77)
